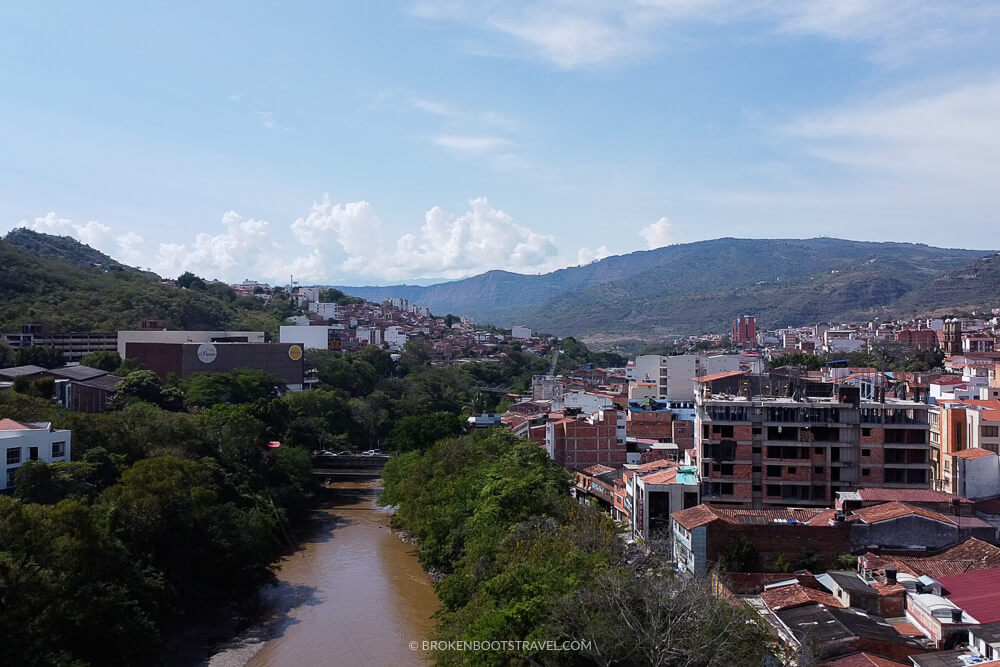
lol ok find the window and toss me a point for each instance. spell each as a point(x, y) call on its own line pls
point(726, 431)
point(990, 431)
point(11, 474)
point(817, 450)
point(865, 472)
point(866, 432)
point(774, 471)
point(755, 468)
point(727, 468)
point(773, 490)
point(756, 488)
point(866, 452)
point(755, 450)
point(13, 455)
point(818, 470)
point(58, 449)
point(791, 470)
point(756, 430)
point(32, 453)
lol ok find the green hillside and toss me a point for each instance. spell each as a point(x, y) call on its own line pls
point(69, 297)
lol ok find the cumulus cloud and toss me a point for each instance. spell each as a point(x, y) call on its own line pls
point(585, 255)
point(658, 234)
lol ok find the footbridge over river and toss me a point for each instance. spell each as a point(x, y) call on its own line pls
point(349, 466)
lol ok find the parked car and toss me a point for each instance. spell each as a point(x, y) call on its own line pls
point(345, 453)
point(372, 452)
point(324, 452)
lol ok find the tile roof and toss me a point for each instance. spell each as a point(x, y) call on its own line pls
point(654, 465)
point(908, 496)
point(796, 595)
point(973, 453)
point(597, 469)
point(694, 517)
point(668, 476)
point(968, 556)
point(895, 510)
point(864, 660)
point(11, 425)
point(977, 593)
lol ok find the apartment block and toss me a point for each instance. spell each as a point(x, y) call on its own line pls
point(586, 441)
point(764, 451)
point(674, 375)
point(744, 331)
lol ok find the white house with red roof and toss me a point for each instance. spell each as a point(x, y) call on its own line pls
point(21, 442)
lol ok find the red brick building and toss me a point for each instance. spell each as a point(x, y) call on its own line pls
point(586, 441)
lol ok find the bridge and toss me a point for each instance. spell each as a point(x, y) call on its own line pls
point(349, 466)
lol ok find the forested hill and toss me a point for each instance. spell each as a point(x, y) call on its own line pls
point(73, 293)
point(699, 287)
point(63, 247)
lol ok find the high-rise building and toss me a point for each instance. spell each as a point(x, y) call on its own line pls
point(952, 336)
point(744, 330)
point(764, 451)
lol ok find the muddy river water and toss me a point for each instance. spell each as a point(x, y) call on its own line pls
point(353, 594)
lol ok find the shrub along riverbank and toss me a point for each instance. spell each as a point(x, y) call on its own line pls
point(524, 561)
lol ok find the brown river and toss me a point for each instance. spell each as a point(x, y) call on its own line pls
point(353, 594)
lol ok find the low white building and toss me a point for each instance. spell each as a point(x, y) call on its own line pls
point(523, 333)
point(165, 336)
point(395, 337)
point(976, 473)
point(21, 442)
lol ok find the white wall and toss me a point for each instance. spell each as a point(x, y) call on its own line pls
point(520, 332)
point(22, 440)
point(163, 336)
point(312, 338)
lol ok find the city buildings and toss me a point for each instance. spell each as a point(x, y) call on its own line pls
point(744, 331)
point(124, 338)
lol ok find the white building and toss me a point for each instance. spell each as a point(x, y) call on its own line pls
point(977, 473)
point(517, 331)
point(674, 375)
point(311, 338)
point(164, 336)
point(309, 294)
point(327, 310)
point(369, 335)
point(395, 337)
point(22, 442)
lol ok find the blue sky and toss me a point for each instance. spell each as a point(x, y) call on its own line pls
point(382, 142)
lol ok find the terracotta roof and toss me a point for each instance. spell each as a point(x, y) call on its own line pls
point(976, 593)
point(11, 425)
point(668, 476)
point(864, 660)
point(796, 595)
point(894, 510)
point(970, 556)
point(973, 453)
point(694, 517)
point(719, 376)
point(908, 496)
point(597, 469)
point(654, 465)
point(764, 517)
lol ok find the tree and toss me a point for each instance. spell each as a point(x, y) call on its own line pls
point(105, 360)
point(145, 386)
point(188, 280)
point(37, 355)
point(7, 355)
point(738, 555)
point(421, 431)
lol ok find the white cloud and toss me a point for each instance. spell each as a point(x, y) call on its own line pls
point(658, 234)
point(585, 255)
point(576, 33)
point(269, 122)
point(470, 144)
point(334, 240)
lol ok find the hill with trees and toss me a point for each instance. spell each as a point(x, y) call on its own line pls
point(700, 287)
point(70, 292)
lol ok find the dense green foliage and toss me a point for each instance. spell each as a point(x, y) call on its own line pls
point(523, 561)
point(37, 355)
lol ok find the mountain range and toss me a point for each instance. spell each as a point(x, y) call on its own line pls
point(700, 287)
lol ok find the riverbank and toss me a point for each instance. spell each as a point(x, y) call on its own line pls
point(353, 593)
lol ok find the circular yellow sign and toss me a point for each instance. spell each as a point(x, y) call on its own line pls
point(295, 353)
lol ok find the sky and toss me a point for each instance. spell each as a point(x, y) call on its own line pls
point(385, 142)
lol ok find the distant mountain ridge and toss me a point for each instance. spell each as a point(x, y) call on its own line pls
point(699, 287)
